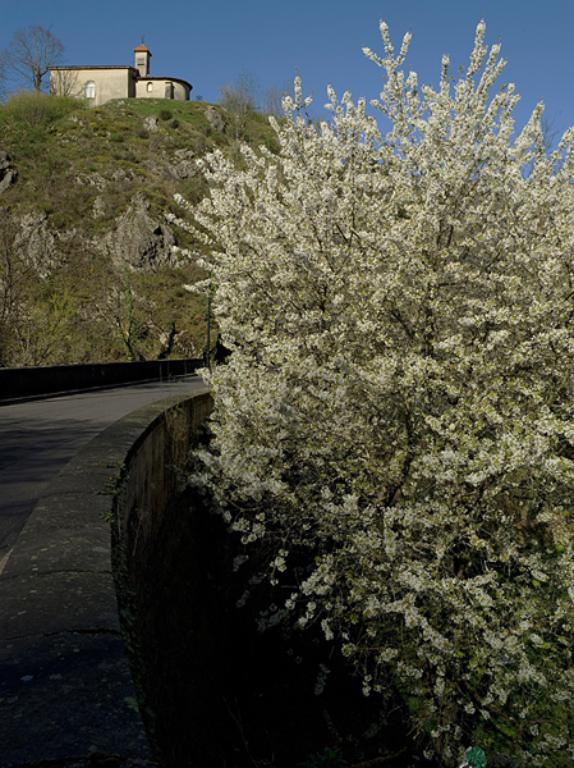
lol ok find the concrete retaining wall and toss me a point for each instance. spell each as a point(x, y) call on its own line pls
point(30, 382)
point(66, 690)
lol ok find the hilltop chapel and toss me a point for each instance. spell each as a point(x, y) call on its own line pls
point(99, 83)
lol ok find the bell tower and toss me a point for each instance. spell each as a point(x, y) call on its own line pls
point(142, 55)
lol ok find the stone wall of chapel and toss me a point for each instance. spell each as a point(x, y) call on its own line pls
point(158, 89)
point(109, 83)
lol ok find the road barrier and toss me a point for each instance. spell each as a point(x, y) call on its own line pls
point(66, 691)
point(16, 383)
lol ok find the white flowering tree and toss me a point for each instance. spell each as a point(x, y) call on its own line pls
point(395, 425)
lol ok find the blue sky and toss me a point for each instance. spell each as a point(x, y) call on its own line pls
point(211, 42)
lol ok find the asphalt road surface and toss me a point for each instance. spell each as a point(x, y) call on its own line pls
point(37, 438)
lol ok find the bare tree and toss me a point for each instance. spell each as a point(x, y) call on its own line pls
point(30, 55)
point(241, 96)
point(240, 99)
point(64, 82)
point(273, 100)
point(2, 78)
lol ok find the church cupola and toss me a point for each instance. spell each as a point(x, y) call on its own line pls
point(142, 56)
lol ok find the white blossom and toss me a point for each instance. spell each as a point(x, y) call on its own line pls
point(396, 419)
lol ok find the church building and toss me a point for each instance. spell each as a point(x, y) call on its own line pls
point(99, 83)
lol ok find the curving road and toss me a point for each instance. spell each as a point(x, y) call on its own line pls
point(37, 438)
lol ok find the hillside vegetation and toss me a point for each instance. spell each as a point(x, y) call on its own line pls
point(87, 268)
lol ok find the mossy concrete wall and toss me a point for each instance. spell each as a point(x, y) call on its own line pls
point(66, 688)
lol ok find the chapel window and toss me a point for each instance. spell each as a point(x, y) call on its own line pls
point(149, 87)
point(90, 90)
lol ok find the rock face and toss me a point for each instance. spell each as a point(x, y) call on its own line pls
point(99, 207)
point(215, 119)
point(185, 165)
point(8, 174)
point(150, 123)
point(138, 240)
point(95, 180)
point(35, 242)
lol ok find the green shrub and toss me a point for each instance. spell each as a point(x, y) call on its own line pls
point(165, 114)
point(38, 109)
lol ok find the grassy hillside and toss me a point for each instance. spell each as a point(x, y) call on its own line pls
point(87, 271)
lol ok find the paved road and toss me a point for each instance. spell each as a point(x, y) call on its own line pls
point(37, 438)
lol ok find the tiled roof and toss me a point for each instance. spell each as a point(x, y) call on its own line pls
point(95, 66)
point(167, 77)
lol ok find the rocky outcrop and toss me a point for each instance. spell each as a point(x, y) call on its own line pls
point(185, 165)
point(215, 119)
point(151, 123)
point(35, 242)
point(138, 240)
point(8, 173)
point(99, 208)
point(95, 180)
